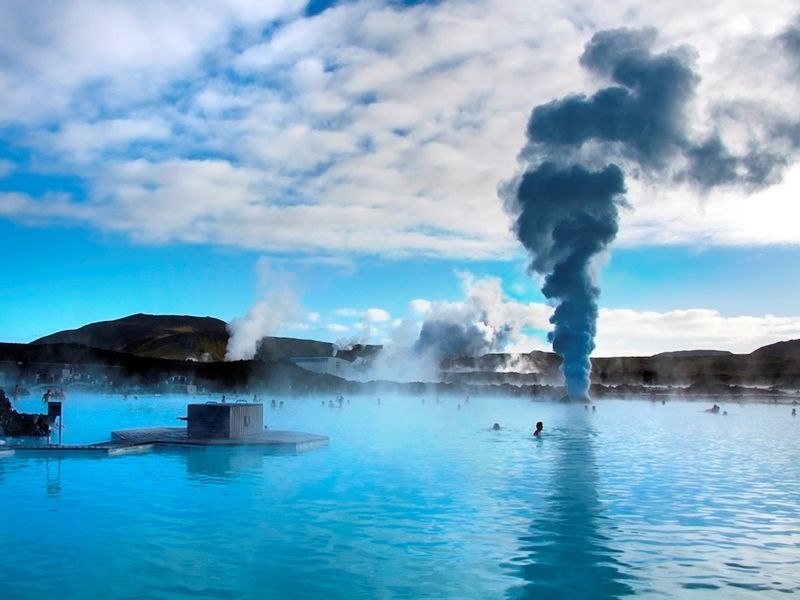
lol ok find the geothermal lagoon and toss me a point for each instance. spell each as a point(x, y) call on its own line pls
point(414, 497)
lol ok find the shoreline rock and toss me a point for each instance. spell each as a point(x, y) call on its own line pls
point(16, 424)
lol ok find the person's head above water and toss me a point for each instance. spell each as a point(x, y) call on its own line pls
point(539, 427)
point(496, 426)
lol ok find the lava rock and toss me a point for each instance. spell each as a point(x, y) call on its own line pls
point(16, 424)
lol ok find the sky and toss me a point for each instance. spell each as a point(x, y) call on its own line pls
point(336, 170)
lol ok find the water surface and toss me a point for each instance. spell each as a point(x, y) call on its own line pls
point(415, 499)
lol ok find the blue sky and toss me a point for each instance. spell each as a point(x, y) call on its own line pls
point(198, 157)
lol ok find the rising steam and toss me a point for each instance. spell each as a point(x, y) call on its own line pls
point(278, 304)
point(484, 321)
point(565, 204)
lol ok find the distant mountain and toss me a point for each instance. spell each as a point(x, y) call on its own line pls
point(177, 337)
point(779, 350)
point(280, 348)
point(690, 353)
point(182, 337)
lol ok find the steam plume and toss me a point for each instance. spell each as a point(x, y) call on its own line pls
point(277, 305)
point(567, 216)
point(565, 204)
point(484, 322)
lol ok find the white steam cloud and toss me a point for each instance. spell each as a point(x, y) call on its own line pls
point(486, 320)
point(277, 306)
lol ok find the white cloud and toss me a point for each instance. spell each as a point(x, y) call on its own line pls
point(624, 332)
point(346, 312)
point(376, 315)
point(419, 306)
point(380, 129)
point(338, 328)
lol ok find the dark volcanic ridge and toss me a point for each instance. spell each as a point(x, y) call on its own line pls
point(146, 350)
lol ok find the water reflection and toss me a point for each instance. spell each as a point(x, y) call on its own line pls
point(221, 463)
point(53, 476)
point(566, 552)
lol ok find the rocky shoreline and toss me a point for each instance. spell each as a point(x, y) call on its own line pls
point(16, 424)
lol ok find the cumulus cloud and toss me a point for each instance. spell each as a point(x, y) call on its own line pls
point(381, 128)
point(376, 315)
point(625, 332)
point(419, 306)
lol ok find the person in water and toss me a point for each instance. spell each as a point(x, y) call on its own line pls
point(538, 431)
point(496, 427)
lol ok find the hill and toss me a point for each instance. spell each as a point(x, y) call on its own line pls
point(183, 337)
point(692, 353)
point(176, 337)
point(779, 350)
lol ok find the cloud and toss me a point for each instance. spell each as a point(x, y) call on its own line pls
point(338, 328)
point(625, 332)
point(381, 129)
point(376, 315)
point(419, 306)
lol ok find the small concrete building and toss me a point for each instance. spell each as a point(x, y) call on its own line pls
point(224, 421)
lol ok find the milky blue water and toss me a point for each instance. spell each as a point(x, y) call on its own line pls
point(415, 500)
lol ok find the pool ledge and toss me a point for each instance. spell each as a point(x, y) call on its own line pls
point(134, 441)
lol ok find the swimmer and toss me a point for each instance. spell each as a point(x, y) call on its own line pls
point(713, 410)
point(273, 404)
point(496, 427)
point(794, 412)
point(594, 408)
point(538, 431)
point(223, 398)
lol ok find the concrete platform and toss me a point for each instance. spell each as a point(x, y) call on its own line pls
point(177, 436)
point(135, 441)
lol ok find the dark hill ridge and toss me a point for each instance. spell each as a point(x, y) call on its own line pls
point(181, 337)
point(779, 350)
point(177, 337)
point(690, 353)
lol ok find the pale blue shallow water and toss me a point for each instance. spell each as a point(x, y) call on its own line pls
point(414, 500)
